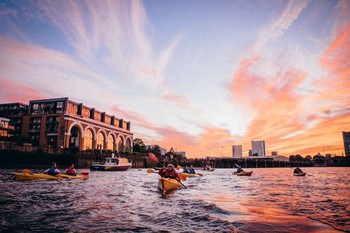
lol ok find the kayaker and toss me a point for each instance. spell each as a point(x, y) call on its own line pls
point(53, 171)
point(169, 172)
point(186, 170)
point(297, 170)
point(71, 170)
point(239, 169)
point(191, 170)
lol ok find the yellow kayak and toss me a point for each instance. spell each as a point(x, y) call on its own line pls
point(186, 174)
point(167, 184)
point(74, 177)
point(38, 176)
point(42, 176)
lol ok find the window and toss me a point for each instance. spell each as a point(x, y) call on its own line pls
point(35, 106)
point(59, 104)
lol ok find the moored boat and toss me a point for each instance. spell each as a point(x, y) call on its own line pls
point(243, 173)
point(167, 184)
point(112, 164)
point(299, 174)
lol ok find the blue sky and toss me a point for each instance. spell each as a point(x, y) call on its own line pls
point(199, 76)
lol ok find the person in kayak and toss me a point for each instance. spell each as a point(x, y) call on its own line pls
point(169, 172)
point(186, 170)
point(71, 170)
point(297, 170)
point(239, 169)
point(191, 170)
point(53, 171)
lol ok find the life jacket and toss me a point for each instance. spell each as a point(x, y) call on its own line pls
point(165, 173)
point(71, 171)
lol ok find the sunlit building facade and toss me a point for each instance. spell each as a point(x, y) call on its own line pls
point(5, 127)
point(237, 151)
point(258, 148)
point(14, 112)
point(63, 123)
point(346, 139)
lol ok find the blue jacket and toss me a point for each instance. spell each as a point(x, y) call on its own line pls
point(52, 171)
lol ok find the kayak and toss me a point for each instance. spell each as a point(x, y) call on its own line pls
point(243, 173)
point(74, 177)
point(38, 176)
point(42, 176)
point(167, 184)
point(186, 174)
point(299, 174)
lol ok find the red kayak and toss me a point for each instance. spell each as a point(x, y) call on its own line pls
point(243, 173)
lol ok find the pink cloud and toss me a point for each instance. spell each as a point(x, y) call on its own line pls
point(14, 92)
point(177, 99)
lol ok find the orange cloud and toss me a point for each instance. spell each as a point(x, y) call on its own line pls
point(279, 114)
point(335, 61)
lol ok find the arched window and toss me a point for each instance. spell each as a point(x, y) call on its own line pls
point(74, 137)
point(110, 142)
point(88, 139)
point(128, 145)
point(120, 144)
point(100, 140)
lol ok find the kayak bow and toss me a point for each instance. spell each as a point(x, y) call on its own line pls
point(167, 184)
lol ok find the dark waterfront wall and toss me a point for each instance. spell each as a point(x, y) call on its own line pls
point(83, 159)
point(41, 159)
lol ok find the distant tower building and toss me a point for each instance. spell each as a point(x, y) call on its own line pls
point(237, 151)
point(250, 153)
point(258, 148)
point(346, 139)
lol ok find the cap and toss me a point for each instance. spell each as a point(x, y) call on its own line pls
point(170, 165)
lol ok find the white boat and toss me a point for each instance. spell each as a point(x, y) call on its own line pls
point(112, 164)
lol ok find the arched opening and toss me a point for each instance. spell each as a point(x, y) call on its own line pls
point(100, 140)
point(120, 144)
point(110, 142)
point(88, 139)
point(75, 136)
point(128, 145)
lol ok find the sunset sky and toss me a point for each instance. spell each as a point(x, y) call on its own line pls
point(195, 75)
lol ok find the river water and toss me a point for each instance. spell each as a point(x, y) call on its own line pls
point(271, 200)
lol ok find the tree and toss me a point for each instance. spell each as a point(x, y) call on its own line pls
point(292, 158)
point(299, 158)
point(155, 150)
point(139, 145)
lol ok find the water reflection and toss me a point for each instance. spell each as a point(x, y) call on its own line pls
point(271, 200)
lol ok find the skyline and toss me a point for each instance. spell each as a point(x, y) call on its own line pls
point(198, 76)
